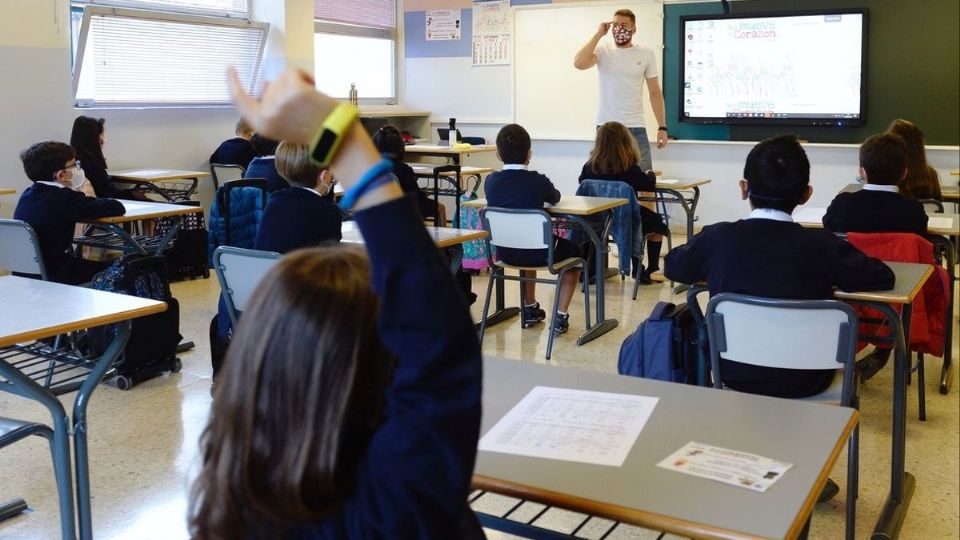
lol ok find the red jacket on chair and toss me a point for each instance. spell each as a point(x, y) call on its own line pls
point(929, 307)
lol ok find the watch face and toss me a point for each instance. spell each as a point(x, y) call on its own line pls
point(324, 145)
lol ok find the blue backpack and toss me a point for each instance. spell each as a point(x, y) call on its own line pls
point(663, 347)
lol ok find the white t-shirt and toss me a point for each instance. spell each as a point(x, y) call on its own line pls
point(622, 73)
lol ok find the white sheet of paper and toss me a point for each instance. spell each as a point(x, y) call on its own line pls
point(733, 467)
point(939, 222)
point(668, 181)
point(133, 205)
point(571, 425)
point(146, 172)
point(809, 214)
point(347, 226)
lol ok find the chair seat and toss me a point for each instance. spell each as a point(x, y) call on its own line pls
point(559, 265)
point(12, 430)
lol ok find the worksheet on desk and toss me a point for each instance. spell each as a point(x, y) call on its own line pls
point(571, 425)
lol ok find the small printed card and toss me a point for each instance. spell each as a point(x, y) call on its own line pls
point(734, 467)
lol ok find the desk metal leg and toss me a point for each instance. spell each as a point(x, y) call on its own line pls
point(603, 324)
point(902, 483)
point(946, 373)
point(500, 313)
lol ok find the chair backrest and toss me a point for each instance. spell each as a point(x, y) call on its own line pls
point(517, 229)
point(20, 248)
point(223, 173)
point(223, 200)
point(932, 205)
point(792, 334)
point(239, 271)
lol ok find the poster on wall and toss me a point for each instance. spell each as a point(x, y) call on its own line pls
point(443, 24)
point(491, 32)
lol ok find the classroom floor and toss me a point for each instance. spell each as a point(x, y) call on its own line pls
point(143, 442)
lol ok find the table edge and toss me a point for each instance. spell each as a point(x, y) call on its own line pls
point(181, 211)
point(48, 331)
point(877, 296)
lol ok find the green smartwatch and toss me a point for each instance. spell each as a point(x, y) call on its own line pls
point(328, 139)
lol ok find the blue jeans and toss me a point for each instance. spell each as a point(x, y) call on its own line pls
point(640, 134)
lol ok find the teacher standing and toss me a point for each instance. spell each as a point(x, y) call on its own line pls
point(623, 68)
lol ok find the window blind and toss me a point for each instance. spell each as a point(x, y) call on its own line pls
point(376, 13)
point(233, 8)
point(135, 60)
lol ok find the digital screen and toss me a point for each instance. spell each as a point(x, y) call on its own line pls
point(781, 69)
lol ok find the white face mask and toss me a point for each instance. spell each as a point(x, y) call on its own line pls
point(78, 179)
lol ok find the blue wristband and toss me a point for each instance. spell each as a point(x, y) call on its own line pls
point(375, 177)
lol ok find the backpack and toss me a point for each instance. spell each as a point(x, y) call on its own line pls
point(187, 254)
point(664, 347)
point(152, 346)
point(474, 251)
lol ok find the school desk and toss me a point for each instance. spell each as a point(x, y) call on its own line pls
point(812, 218)
point(807, 435)
point(579, 210)
point(36, 309)
point(686, 193)
point(910, 279)
point(453, 155)
point(7, 191)
point(453, 174)
point(116, 238)
point(163, 182)
point(443, 237)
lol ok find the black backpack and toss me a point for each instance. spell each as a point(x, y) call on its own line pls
point(666, 346)
point(152, 347)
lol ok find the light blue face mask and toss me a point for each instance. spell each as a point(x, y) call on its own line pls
point(859, 179)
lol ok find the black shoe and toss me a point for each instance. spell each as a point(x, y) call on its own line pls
point(644, 277)
point(532, 315)
point(830, 490)
point(872, 363)
point(561, 323)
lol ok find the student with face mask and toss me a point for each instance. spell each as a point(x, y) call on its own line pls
point(623, 68)
point(52, 207)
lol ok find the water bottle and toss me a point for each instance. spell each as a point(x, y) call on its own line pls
point(452, 134)
point(353, 94)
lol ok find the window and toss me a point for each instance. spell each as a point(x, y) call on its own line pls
point(368, 30)
point(219, 8)
point(127, 57)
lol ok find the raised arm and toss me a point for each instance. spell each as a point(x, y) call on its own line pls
point(586, 57)
point(659, 109)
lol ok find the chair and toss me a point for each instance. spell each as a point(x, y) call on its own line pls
point(525, 229)
point(792, 334)
point(20, 248)
point(239, 271)
point(223, 173)
point(932, 205)
point(12, 431)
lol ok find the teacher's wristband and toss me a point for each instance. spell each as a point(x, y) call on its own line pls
point(661, 128)
point(327, 140)
point(379, 174)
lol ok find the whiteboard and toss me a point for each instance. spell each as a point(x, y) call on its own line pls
point(552, 99)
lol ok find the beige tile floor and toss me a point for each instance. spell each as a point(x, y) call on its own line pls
point(143, 442)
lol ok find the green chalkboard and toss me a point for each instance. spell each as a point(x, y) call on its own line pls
point(913, 69)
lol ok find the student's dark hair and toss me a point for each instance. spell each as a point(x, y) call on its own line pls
point(922, 180)
point(626, 13)
point(300, 397)
point(513, 144)
point(884, 158)
point(85, 140)
point(262, 145)
point(42, 161)
point(389, 142)
point(777, 172)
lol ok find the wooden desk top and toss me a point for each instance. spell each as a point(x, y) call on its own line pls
point(7, 191)
point(442, 236)
point(674, 183)
point(910, 279)
point(949, 193)
point(811, 217)
point(572, 205)
point(443, 150)
point(155, 175)
point(138, 210)
point(425, 169)
point(807, 435)
point(34, 309)
point(955, 172)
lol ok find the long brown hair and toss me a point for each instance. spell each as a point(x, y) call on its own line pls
point(922, 180)
point(300, 396)
point(614, 151)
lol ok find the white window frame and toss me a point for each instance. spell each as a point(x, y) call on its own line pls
point(341, 29)
point(90, 10)
point(168, 9)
